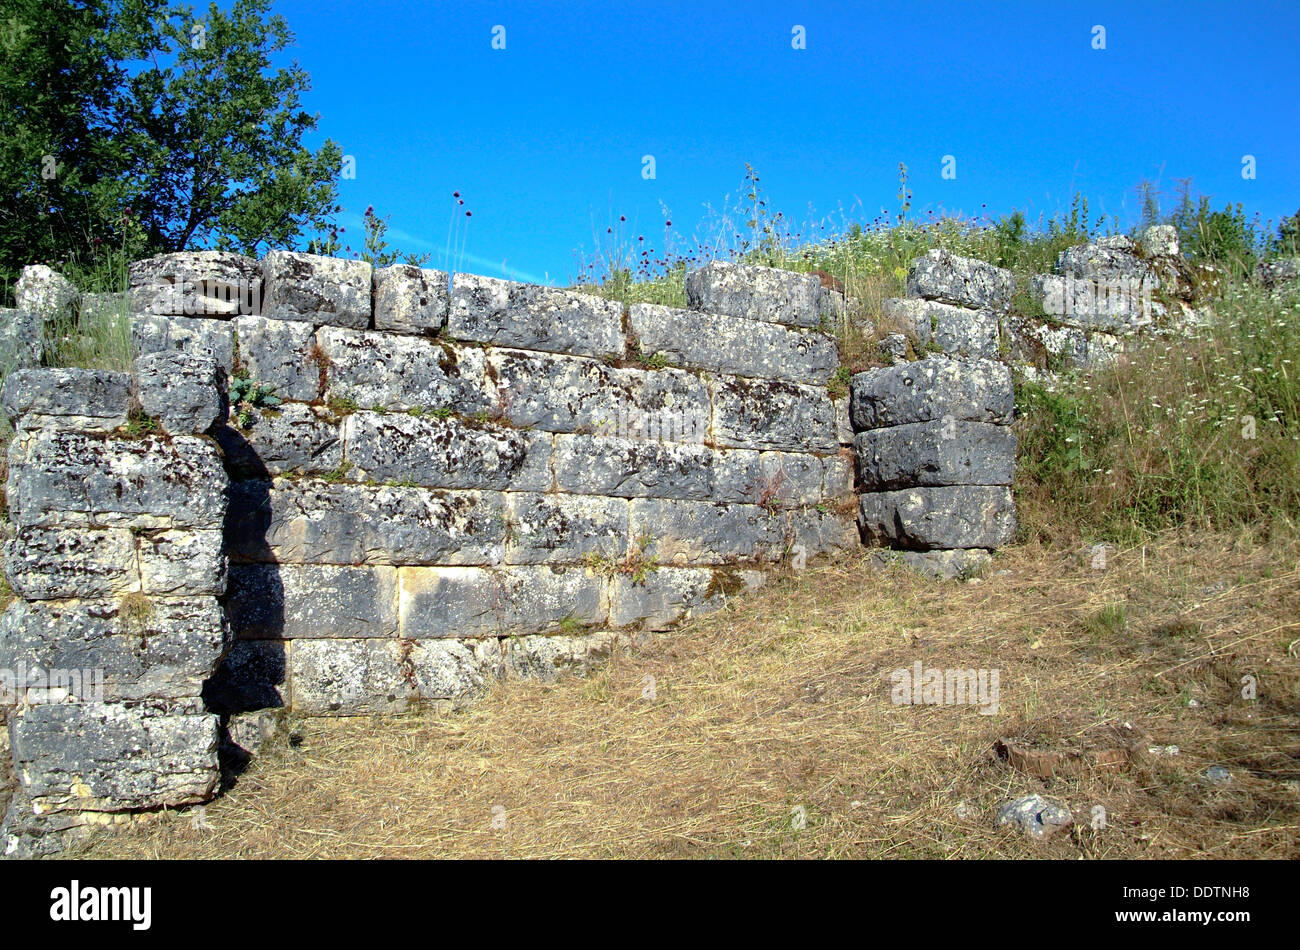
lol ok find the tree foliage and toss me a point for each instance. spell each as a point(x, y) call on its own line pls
point(146, 126)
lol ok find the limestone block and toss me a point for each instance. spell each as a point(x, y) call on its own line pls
point(932, 390)
point(503, 313)
point(153, 333)
point(179, 562)
point(965, 516)
point(87, 400)
point(478, 602)
point(280, 354)
point(734, 345)
point(759, 293)
point(318, 290)
point(410, 299)
point(196, 283)
point(183, 391)
point(772, 414)
point(51, 562)
point(293, 437)
point(963, 281)
point(351, 677)
point(936, 453)
point(404, 373)
point(559, 528)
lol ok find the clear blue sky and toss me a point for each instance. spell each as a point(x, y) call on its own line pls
point(545, 138)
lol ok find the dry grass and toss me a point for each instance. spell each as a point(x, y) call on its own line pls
point(783, 701)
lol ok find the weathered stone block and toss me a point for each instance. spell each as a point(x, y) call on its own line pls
point(404, 373)
point(22, 341)
point(967, 516)
point(570, 394)
point(959, 331)
point(62, 477)
point(1123, 304)
point(455, 670)
point(669, 594)
point(351, 677)
point(44, 563)
point(843, 425)
point(939, 565)
point(88, 400)
point(734, 345)
point(932, 389)
point(114, 757)
point(556, 528)
point(309, 522)
point(280, 354)
point(445, 453)
point(629, 468)
point(44, 291)
point(478, 602)
point(409, 299)
point(838, 482)
point(196, 283)
point(503, 313)
point(158, 334)
point(302, 601)
point(936, 453)
point(105, 651)
point(759, 293)
point(963, 281)
point(772, 414)
point(293, 437)
point(318, 290)
point(546, 658)
point(182, 562)
point(685, 533)
point(182, 390)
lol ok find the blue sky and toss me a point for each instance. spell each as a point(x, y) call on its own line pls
point(545, 138)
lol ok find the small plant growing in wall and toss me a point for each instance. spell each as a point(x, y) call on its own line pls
point(140, 424)
point(246, 395)
point(635, 565)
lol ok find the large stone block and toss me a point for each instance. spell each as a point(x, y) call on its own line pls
point(936, 453)
point(182, 390)
point(293, 437)
point(837, 484)
point(963, 281)
point(478, 602)
point(87, 400)
point(734, 345)
point(351, 677)
point(311, 522)
point(455, 670)
point(683, 533)
point(50, 562)
point(153, 333)
point(39, 289)
point(114, 756)
point(570, 394)
point(409, 299)
point(558, 529)
point(966, 516)
point(445, 453)
point(630, 468)
point(305, 601)
point(282, 355)
point(63, 477)
point(1120, 304)
point(772, 414)
point(932, 390)
point(317, 290)
point(22, 339)
point(503, 313)
point(759, 293)
point(547, 658)
point(667, 595)
point(180, 562)
point(196, 283)
point(958, 331)
point(403, 373)
point(106, 651)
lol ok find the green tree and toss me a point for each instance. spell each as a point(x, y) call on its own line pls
point(147, 127)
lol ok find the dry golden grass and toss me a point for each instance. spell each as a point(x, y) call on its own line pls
point(783, 701)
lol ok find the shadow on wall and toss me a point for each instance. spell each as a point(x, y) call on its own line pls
point(254, 673)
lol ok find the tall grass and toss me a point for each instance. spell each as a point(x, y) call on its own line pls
point(1199, 431)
